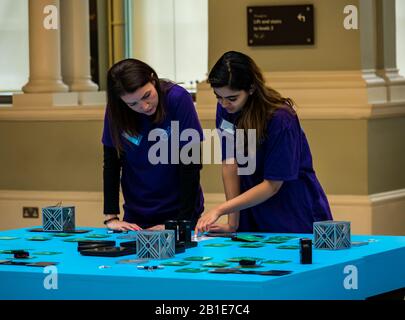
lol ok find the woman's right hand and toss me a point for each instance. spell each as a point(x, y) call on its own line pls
point(122, 226)
point(222, 227)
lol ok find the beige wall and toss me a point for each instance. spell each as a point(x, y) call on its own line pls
point(63, 156)
point(350, 156)
point(60, 155)
point(386, 154)
point(335, 48)
point(339, 151)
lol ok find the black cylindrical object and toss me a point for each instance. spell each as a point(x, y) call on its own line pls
point(21, 254)
point(173, 225)
point(306, 251)
point(185, 231)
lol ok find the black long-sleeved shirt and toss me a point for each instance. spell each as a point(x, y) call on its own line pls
point(189, 186)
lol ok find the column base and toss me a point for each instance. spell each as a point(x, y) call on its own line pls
point(45, 86)
point(376, 89)
point(92, 98)
point(395, 84)
point(82, 85)
point(45, 100)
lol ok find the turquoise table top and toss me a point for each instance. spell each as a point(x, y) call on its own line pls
point(355, 273)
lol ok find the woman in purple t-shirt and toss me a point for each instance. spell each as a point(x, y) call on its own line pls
point(144, 118)
point(282, 193)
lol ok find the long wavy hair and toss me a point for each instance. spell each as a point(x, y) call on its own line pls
point(239, 72)
point(127, 76)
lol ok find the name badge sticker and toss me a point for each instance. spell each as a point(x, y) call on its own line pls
point(227, 126)
point(135, 140)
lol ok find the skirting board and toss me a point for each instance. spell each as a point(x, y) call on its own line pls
point(382, 213)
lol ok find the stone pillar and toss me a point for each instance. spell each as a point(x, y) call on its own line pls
point(44, 48)
point(76, 45)
point(387, 60)
point(116, 30)
point(377, 92)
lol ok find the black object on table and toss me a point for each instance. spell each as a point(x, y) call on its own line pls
point(180, 247)
point(241, 271)
point(21, 254)
point(305, 251)
point(128, 244)
point(92, 244)
point(221, 234)
point(109, 251)
point(173, 225)
point(182, 234)
point(184, 231)
point(28, 264)
point(246, 262)
point(50, 231)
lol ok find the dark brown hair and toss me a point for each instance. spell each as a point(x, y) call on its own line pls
point(125, 77)
point(239, 72)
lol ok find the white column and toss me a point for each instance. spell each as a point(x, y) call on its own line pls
point(376, 89)
point(44, 49)
point(387, 62)
point(76, 45)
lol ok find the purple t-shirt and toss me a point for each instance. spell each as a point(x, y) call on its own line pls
point(283, 156)
point(152, 191)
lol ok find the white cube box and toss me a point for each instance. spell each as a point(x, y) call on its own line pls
point(332, 235)
point(155, 244)
point(58, 218)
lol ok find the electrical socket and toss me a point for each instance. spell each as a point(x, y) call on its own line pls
point(31, 212)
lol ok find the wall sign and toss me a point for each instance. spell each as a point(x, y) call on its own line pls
point(280, 25)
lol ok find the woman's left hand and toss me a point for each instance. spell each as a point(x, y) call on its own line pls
point(158, 227)
point(206, 221)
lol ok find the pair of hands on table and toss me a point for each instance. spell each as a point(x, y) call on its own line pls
point(126, 226)
point(207, 223)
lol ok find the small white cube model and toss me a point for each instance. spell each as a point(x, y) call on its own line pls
point(155, 244)
point(332, 235)
point(58, 218)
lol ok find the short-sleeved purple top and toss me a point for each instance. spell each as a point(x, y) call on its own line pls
point(151, 191)
point(283, 156)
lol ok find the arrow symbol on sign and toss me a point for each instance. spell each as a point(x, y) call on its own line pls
point(301, 17)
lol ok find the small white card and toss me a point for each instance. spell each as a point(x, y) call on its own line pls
point(227, 126)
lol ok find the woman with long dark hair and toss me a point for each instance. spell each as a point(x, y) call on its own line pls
point(283, 193)
point(139, 103)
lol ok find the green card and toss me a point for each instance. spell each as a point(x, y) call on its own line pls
point(274, 241)
point(278, 239)
point(46, 253)
point(175, 263)
point(191, 270)
point(198, 258)
point(293, 247)
point(251, 245)
point(217, 245)
point(285, 238)
point(276, 261)
point(62, 235)
point(132, 261)
point(12, 251)
point(75, 240)
point(97, 236)
point(38, 238)
point(237, 259)
point(215, 264)
point(8, 238)
point(247, 238)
